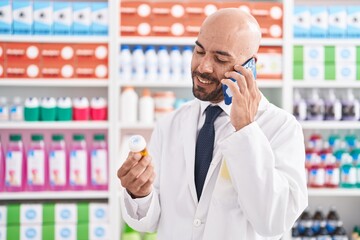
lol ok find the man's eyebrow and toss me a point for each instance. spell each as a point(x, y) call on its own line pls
point(199, 44)
point(217, 52)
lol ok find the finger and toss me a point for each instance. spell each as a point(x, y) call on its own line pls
point(144, 177)
point(240, 80)
point(233, 86)
point(131, 161)
point(148, 185)
point(248, 75)
point(138, 169)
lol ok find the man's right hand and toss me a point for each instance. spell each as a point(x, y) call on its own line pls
point(137, 175)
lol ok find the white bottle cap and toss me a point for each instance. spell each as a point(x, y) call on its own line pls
point(144, 10)
point(48, 102)
point(101, 52)
point(32, 52)
point(64, 102)
point(31, 102)
point(67, 52)
point(67, 71)
point(177, 29)
point(81, 102)
point(3, 100)
point(275, 31)
point(98, 102)
point(32, 71)
point(144, 28)
point(177, 11)
point(137, 143)
point(276, 12)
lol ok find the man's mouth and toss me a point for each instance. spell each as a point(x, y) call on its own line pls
point(203, 81)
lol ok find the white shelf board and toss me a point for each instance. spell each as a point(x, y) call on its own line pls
point(187, 84)
point(181, 41)
point(55, 39)
point(326, 84)
point(54, 195)
point(337, 192)
point(144, 126)
point(55, 125)
point(54, 82)
point(326, 41)
point(330, 124)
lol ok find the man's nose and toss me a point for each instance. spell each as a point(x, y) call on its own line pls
point(205, 65)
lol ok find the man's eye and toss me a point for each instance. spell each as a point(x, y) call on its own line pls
point(200, 52)
point(220, 60)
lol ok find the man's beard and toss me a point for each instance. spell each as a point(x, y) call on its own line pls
point(201, 93)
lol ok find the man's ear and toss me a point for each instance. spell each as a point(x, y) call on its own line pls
point(255, 57)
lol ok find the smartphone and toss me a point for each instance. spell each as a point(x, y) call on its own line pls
point(226, 90)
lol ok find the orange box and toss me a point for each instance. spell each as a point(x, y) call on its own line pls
point(2, 52)
point(2, 69)
point(22, 70)
point(54, 52)
point(57, 70)
point(269, 63)
point(22, 52)
point(135, 18)
point(245, 6)
point(84, 70)
point(270, 18)
point(271, 30)
point(91, 53)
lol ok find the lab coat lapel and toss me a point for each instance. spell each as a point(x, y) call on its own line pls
point(189, 138)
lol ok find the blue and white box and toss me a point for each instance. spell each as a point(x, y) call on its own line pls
point(5, 17)
point(65, 232)
point(3, 215)
point(3, 233)
point(31, 214)
point(319, 22)
point(66, 213)
point(345, 53)
point(353, 21)
point(98, 231)
point(62, 18)
point(314, 71)
point(43, 19)
point(30, 232)
point(81, 18)
point(302, 22)
point(345, 71)
point(22, 17)
point(337, 22)
point(99, 18)
point(314, 53)
point(98, 212)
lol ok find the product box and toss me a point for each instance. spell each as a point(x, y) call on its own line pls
point(65, 232)
point(314, 71)
point(81, 18)
point(302, 22)
point(269, 63)
point(245, 6)
point(337, 22)
point(98, 212)
point(99, 231)
point(329, 54)
point(298, 54)
point(5, 17)
point(22, 52)
point(22, 17)
point(3, 233)
point(91, 70)
point(43, 18)
point(3, 215)
point(13, 214)
point(269, 15)
point(135, 18)
point(83, 212)
point(314, 53)
point(31, 214)
point(56, 70)
point(353, 23)
point(319, 22)
point(2, 70)
point(345, 71)
point(99, 18)
point(58, 53)
point(91, 53)
point(345, 53)
point(330, 69)
point(62, 18)
point(2, 59)
point(31, 232)
point(22, 70)
point(66, 213)
point(298, 71)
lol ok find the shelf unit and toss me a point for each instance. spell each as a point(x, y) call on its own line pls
point(338, 192)
point(48, 195)
point(54, 82)
point(55, 39)
point(55, 125)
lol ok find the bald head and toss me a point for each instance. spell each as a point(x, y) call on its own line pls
point(234, 28)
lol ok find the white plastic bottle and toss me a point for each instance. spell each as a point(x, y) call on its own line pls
point(138, 63)
point(128, 105)
point(350, 107)
point(125, 63)
point(137, 143)
point(186, 62)
point(315, 107)
point(151, 64)
point(176, 64)
point(333, 107)
point(146, 107)
point(164, 64)
point(4, 109)
point(299, 109)
point(17, 110)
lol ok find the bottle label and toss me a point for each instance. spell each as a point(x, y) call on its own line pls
point(4, 113)
point(317, 177)
point(348, 175)
point(315, 110)
point(348, 111)
point(78, 168)
point(36, 168)
point(13, 173)
point(57, 167)
point(99, 174)
point(16, 113)
point(332, 176)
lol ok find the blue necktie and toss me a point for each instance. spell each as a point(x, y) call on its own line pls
point(205, 147)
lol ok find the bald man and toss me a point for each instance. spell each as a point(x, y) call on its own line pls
point(217, 171)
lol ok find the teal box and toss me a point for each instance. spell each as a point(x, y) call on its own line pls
point(81, 18)
point(319, 22)
point(337, 22)
point(353, 16)
point(99, 18)
point(43, 19)
point(302, 22)
point(62, 18)
point(22, 17)
point(6, 17)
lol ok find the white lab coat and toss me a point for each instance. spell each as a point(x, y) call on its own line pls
point(256, 190)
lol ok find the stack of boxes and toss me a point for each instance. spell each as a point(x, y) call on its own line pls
point(53, 18)
point(49, 221)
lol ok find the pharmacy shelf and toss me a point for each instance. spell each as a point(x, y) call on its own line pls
point(326, 84)
point(338, 192)
point(326, 41)
point(68, 195)
point(55, 39)
point(187, 84)
point(181, 41)
point(54, 82)
point(55, 125)
point(330, 125)
point(140, 126)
